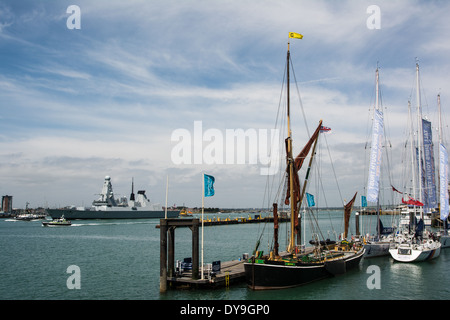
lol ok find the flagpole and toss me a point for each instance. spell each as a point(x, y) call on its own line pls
point(203, 205)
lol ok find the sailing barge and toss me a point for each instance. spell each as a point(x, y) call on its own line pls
point(294, 267)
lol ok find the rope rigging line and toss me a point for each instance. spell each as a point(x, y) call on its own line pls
point(299, 99)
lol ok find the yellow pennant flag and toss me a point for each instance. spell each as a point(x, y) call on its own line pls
point(295, 35)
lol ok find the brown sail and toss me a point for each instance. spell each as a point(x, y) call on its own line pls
point(347, 211)
point(298, 162)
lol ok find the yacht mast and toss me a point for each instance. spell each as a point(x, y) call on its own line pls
point(377, 102)
point(413, 171)
point(377, 107)
point(290, 160)
point(419, 135)
point(439, 115)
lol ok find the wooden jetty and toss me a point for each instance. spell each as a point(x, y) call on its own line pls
point(219, 274)
point(231, 272)
point(241, 220)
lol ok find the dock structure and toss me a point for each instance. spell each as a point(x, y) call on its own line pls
point(240, 220)
point(167, 248)
point(187, 274)
point(231, 272)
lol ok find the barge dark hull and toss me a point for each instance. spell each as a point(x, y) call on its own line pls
point(269, 276)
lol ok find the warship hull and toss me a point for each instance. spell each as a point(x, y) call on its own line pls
point(74, 214)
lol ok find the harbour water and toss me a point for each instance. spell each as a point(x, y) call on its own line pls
point(119, 259)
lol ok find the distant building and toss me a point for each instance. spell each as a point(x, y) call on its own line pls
point(6, 204)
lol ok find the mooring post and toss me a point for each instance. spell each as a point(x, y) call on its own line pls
point(357, 223)
point(195, 248)
point(163, 256)
point(171, 258)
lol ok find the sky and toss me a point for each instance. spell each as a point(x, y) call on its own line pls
point(109, 96)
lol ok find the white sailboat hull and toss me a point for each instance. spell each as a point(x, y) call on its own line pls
point(408, 252)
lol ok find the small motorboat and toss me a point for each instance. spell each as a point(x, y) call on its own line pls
point(185, 213)
point(57, 222)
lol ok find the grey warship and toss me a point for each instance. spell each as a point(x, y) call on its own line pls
point(107, 207)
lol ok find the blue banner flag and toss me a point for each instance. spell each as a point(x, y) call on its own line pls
point(375, 157)
point(429, 189)
point(363, 201)
point(310, 199)
point(209, 185)
point(443, 174)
